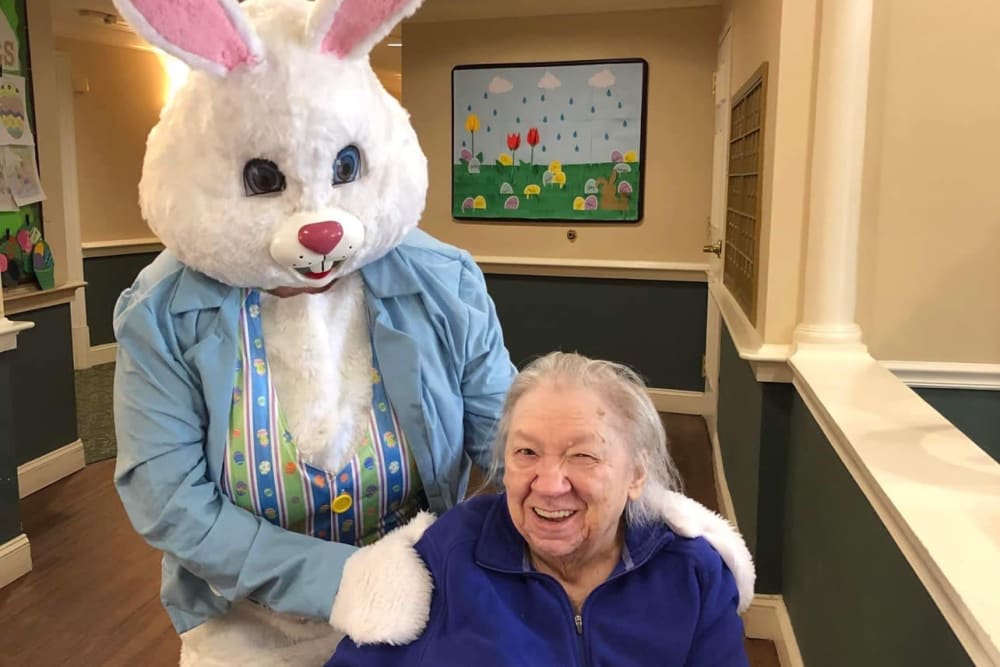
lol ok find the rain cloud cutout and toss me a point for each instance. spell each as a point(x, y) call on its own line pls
point(603, 79)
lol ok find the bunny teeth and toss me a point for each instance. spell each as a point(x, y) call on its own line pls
point(309, 271)
point(305, 245)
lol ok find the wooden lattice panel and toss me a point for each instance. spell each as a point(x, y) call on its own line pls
point(746, 162)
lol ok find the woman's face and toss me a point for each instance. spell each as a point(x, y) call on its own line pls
point(568, 474)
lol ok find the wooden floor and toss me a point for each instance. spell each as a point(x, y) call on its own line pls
point(92, 597)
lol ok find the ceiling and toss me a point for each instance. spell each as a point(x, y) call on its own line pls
point(67, 22)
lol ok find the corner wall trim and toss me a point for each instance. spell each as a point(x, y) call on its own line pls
point(946, 375)
point(39, 473)
point(9, 331)
point(25, 299)
point(94, 249)
point(102, 354)
point(769, 361)
point(594, 268)
point(15, 559)
point(723, 496)
point(679, 401)
point(767, 618)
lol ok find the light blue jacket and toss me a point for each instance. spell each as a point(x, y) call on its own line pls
point(445, 368)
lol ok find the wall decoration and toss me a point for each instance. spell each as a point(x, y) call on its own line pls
point(43, 264)
point(559, 141)
point(14, 127)
point(17, 122)
point(20, 175)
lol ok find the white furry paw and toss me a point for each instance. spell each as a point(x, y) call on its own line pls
point(385, 590)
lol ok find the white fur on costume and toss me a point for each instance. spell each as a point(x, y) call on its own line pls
point(252, 636)
point(320, 355)
point(689, 518)
point(375, 602)
point(297, 108)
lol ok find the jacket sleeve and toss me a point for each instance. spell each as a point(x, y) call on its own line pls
point(488, 371)
point(718, 637)
point(162, 478)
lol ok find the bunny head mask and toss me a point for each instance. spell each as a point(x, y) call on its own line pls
point(282, 161)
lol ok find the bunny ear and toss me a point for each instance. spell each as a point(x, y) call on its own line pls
point(350, 28)
point(210, 35)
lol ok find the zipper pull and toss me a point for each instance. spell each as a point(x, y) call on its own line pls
point(579, 624)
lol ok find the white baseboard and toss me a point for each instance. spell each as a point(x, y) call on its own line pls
point(15, 559)
point(679, 402)
point(102, 354)
point(40, 472)
point(767, 618)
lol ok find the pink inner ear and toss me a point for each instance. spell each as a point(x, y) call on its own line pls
point(197, 27)
point(355, 21)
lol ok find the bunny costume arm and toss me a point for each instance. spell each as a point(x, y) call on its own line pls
point(164, 481)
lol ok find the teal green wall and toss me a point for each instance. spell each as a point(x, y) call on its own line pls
point(628, 321)
point(10, 521)
point(975, 413)
point(43, 392)
point(107, 278)
point(852, 597)
point(753, 436)
point(740, 410)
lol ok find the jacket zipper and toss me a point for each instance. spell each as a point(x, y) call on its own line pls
point(577, 618)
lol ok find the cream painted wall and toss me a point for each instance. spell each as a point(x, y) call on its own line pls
point(680, 46)
point(785, 36)
point(391, 80)
point(929, 285)
point(127, 89)
point(756, 27)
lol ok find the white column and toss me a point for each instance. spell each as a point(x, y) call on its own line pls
point(838, 156)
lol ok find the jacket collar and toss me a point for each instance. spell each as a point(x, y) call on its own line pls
point(390, 276)
point(501, 547)
point(196, 291)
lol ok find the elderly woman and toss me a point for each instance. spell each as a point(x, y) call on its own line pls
point(589, 557)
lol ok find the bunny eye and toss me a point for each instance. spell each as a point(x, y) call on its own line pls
point(262, 177)
point(347, 165)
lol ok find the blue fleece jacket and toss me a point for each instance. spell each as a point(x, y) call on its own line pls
point(670, 602)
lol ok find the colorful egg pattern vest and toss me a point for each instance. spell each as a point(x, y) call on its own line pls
point(378, 490)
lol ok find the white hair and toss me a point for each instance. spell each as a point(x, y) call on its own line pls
point(624, 392)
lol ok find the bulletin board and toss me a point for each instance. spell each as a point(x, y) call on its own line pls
point(20, 187)
point(554, 141)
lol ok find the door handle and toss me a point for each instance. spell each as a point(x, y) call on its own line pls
point(715, 247)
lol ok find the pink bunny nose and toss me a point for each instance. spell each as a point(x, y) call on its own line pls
point(321, 237)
